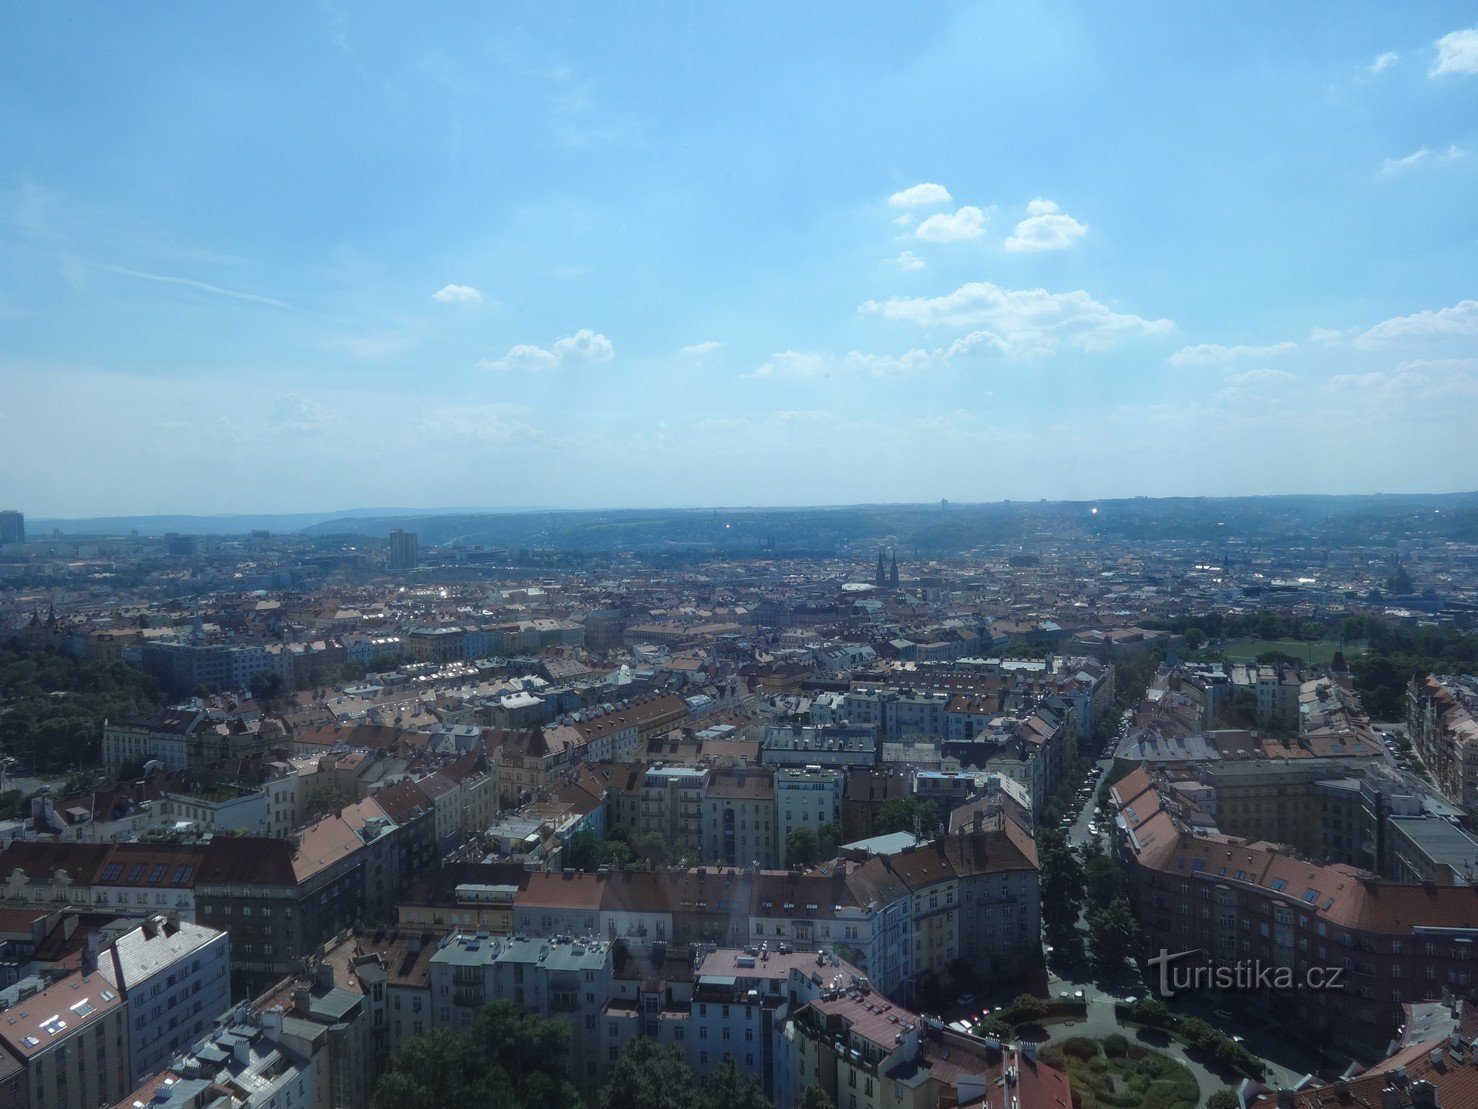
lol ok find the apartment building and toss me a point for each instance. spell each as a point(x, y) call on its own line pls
point(175, 977)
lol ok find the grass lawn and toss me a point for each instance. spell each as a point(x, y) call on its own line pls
point(1116, 1073)
point(1322, 651)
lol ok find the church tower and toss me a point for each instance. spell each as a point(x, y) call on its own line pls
point(893, 573)
point(880, 579)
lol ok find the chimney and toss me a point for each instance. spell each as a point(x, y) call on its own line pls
point(90, 954)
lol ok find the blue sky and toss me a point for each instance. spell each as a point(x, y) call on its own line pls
point(300, 257)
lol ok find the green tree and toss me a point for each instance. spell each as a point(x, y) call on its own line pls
point(802, 847)
point(830, 837)
point(728, 1088)
point(1195, 639)
point(1103, 879)
point(587, 851)
point(265, 685)
point(1028, 1007)
point(1223, 1099)
point(437, 1070)
point(1151, 1011)
point(529, 1050)
point(648, 1075)
point(1061, 885)
point(1113, 933)
point(905, 814)
point(322, 799)
point(814, 1097)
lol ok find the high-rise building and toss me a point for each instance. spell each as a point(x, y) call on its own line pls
point(12, 527)
point(405, 550)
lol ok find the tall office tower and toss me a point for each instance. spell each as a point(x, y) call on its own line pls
point(12, 527)
point(405, 550)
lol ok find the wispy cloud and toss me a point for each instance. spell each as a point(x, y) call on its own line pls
point(191, 283)
point(1457, 53)
point(457, 294)
point(1452, 153)
point(1204, 353)
point(907, 261)
point(582, 348)
point(697, 350)
point(917, 196)
point(1383, 62)
point(1046, 227)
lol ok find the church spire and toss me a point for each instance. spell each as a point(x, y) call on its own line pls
point(881, 578)
point(893, 574)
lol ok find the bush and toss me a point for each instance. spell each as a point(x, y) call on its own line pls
point(1027, 1007)
point(1115, 1046)
point(1080, 1047)
point(1222, 1099)
point(1137, 1051)
point(1098, 1064)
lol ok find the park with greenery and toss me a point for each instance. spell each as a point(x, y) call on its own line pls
point(1115, 1073)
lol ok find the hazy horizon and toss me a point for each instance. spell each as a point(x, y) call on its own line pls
point(259, 260)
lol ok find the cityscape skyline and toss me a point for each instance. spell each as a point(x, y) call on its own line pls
point(283, 260)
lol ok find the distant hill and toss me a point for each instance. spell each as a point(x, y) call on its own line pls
point(224, 525)
point(941, 528)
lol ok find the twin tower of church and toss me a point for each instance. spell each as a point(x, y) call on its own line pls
point(886, 577)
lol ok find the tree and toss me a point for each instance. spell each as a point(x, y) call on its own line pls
point(265, 685)
point(905, 814)
point(322, 799)
point(1061, 885)
point(1113, 933)
point(437, 1070)
point(587, 851)
point(1151, 1011)
point(830, 837)
point(814, 1097)
point(1103, 879)
point(1028, 1006)
point(1223, 1099)
point(727, 1088)
point(802, 847)
point(1195, 639)
point(529, 1050)
point(651, 849)
point(648, 1075)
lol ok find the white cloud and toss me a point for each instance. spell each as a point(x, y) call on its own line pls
point(696, 350)
point(1460, 319)
point(1457, 53)
point(917, 196)
point(942, 227)
point(1452, 153)
point(1203, 353)
point(1259, 387)
point(1384, 62)
point(583, 347)
point(1022, 321)
point(908, 261)
point(1046, 227)
point(908, 219)
point(369, 347)
point(791, 363)
point(291, 412)
point(457, 294)
point(1261, 377)
point(1324, 335)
